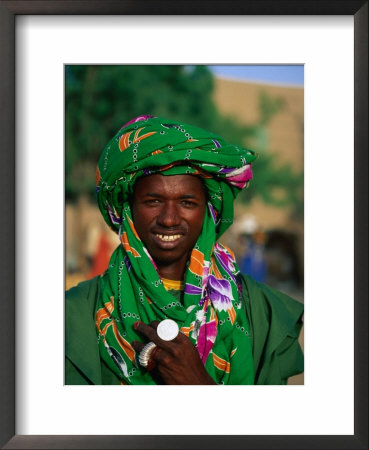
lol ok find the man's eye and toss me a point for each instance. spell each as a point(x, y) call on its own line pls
point(153, 201)
point(188, 204)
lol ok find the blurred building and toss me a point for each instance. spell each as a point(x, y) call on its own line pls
point(285, 132)
point(283, 135)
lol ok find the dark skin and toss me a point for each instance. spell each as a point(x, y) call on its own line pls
point(169, 206)
point(168, 213)
point(176, 361)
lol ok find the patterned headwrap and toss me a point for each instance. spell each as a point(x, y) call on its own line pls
point(210, 312)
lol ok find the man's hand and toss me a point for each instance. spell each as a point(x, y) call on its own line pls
point(177, 361)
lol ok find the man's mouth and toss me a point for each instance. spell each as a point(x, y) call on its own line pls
point(168, 237)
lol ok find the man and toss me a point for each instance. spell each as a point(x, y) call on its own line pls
point(173, 308)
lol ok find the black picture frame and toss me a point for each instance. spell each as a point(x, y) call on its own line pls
point(8, 282)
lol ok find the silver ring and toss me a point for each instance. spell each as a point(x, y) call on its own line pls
point(145, 353)
point(167, 330)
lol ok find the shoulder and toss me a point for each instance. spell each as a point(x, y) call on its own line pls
point(261, 297)
point(82, 289)
point(81, 350)
point(83, 296)
point(80, 304)
point(275, 321)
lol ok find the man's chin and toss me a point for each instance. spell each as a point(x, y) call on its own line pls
point(166, 258)
point(169, 258)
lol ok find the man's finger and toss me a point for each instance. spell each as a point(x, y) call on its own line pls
point(154, 324)
point(138, 346)
point(151, 334)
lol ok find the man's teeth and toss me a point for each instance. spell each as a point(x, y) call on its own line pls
point(167, 237)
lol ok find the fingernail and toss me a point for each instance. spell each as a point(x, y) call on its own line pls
point(136, 324)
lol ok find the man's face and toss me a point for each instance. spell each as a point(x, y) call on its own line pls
point(168, 214)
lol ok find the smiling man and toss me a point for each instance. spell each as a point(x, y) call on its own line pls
point(168, 214)
point(173, 308)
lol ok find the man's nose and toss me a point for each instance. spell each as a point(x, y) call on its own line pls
point(169, 216)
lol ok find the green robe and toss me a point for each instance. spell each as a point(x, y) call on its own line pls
point(275, 323)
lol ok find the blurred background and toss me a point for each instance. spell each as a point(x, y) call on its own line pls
point(258, 107)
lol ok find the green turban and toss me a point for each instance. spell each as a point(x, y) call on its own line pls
point(148, 145)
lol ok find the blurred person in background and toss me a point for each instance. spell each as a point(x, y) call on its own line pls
point(102, 248)
point(254, 261)
point(173, 307)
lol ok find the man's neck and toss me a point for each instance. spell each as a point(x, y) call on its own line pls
point(173, 271)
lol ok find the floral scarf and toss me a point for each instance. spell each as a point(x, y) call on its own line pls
point(211, 313)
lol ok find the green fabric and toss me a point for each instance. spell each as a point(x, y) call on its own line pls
point(131, 289)
point(275, 321)
point(81, 348)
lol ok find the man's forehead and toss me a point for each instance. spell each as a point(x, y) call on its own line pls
point(169, 183)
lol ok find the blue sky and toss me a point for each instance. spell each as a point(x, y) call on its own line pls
point(277, 74)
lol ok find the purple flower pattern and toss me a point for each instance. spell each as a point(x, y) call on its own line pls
point(206, 339)
point(192, 289)
point(237, 177)
point(240, 177)
point(113, 217)
point(212, 213)
point(225, 260)
point(220, 293)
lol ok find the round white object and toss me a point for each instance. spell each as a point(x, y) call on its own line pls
point(167, 330)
